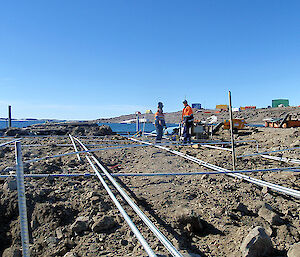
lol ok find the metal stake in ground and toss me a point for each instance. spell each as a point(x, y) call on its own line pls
point(9, 116)
point(231, 131)
point(22, 201)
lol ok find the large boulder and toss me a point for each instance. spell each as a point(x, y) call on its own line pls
point(294, 251)
point(257, 244)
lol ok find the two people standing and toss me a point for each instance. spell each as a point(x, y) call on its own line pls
point(187, 122)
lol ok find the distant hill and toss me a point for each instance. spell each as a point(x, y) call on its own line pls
point(251, 116)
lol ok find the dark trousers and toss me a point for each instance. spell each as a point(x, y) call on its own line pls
point(159, 132)
point(186, 132)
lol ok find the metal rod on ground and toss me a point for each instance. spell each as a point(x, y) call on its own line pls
point(231, 131)
point(216, 147)
point(9, 116)
point(124, 214)
point(75, 147)
point(93, 150)
point(292, 169)
point(281, 159)
point(281, 150)
point(259, 182)
point(138, 211)
point(22, 201)
point(6, 143)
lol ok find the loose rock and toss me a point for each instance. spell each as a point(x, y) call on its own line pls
point(80, 224)
point(294, 251)
point(103, 224)
point(256, 244)
point(267, 213)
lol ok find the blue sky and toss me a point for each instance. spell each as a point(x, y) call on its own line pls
point(70, 59)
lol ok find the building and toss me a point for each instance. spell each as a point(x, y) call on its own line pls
point(280, 102)
point(196, 106)
point(222, 107)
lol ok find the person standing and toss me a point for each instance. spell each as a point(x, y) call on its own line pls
point(159, 124)
point(187, 121)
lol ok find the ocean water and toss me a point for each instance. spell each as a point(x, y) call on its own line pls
point(20, 124)
point(116, 127)
point(148, 127)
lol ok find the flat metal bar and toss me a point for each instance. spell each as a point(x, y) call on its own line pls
point(275, 187)
point(138, 211)
point(22, 200)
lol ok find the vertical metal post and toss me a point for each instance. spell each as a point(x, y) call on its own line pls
point(231, 131)
point(9, 116)
point(137, 123)
point(22, 200)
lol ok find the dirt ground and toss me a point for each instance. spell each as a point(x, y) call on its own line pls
point(209, 215)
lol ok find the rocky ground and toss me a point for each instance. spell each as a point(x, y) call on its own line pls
point(206, 215)
point(251, 116)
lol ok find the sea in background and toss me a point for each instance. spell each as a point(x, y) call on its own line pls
point(116, 127)
point(20, 123)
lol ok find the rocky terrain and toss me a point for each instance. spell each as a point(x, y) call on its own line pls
point(203, 215)
point(251, 116)
point(59, 129)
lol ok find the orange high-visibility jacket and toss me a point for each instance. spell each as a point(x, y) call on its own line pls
point(187, 112)
point(159, 118)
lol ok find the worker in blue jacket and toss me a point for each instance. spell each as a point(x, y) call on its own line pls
point(160, 124)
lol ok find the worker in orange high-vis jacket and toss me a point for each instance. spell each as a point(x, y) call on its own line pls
point(160, 124)
point(187, 121)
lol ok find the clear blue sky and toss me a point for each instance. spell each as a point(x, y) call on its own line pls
point(70, 59)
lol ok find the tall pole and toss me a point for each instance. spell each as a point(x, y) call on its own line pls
point(9, 116)
point(231, 131)
point(22, 201)
point(137, 122)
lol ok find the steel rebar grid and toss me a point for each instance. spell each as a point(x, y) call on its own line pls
point(22, 201)
point(275, 187)
point(138, 211)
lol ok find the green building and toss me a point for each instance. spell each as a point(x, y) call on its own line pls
point(277, 102)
